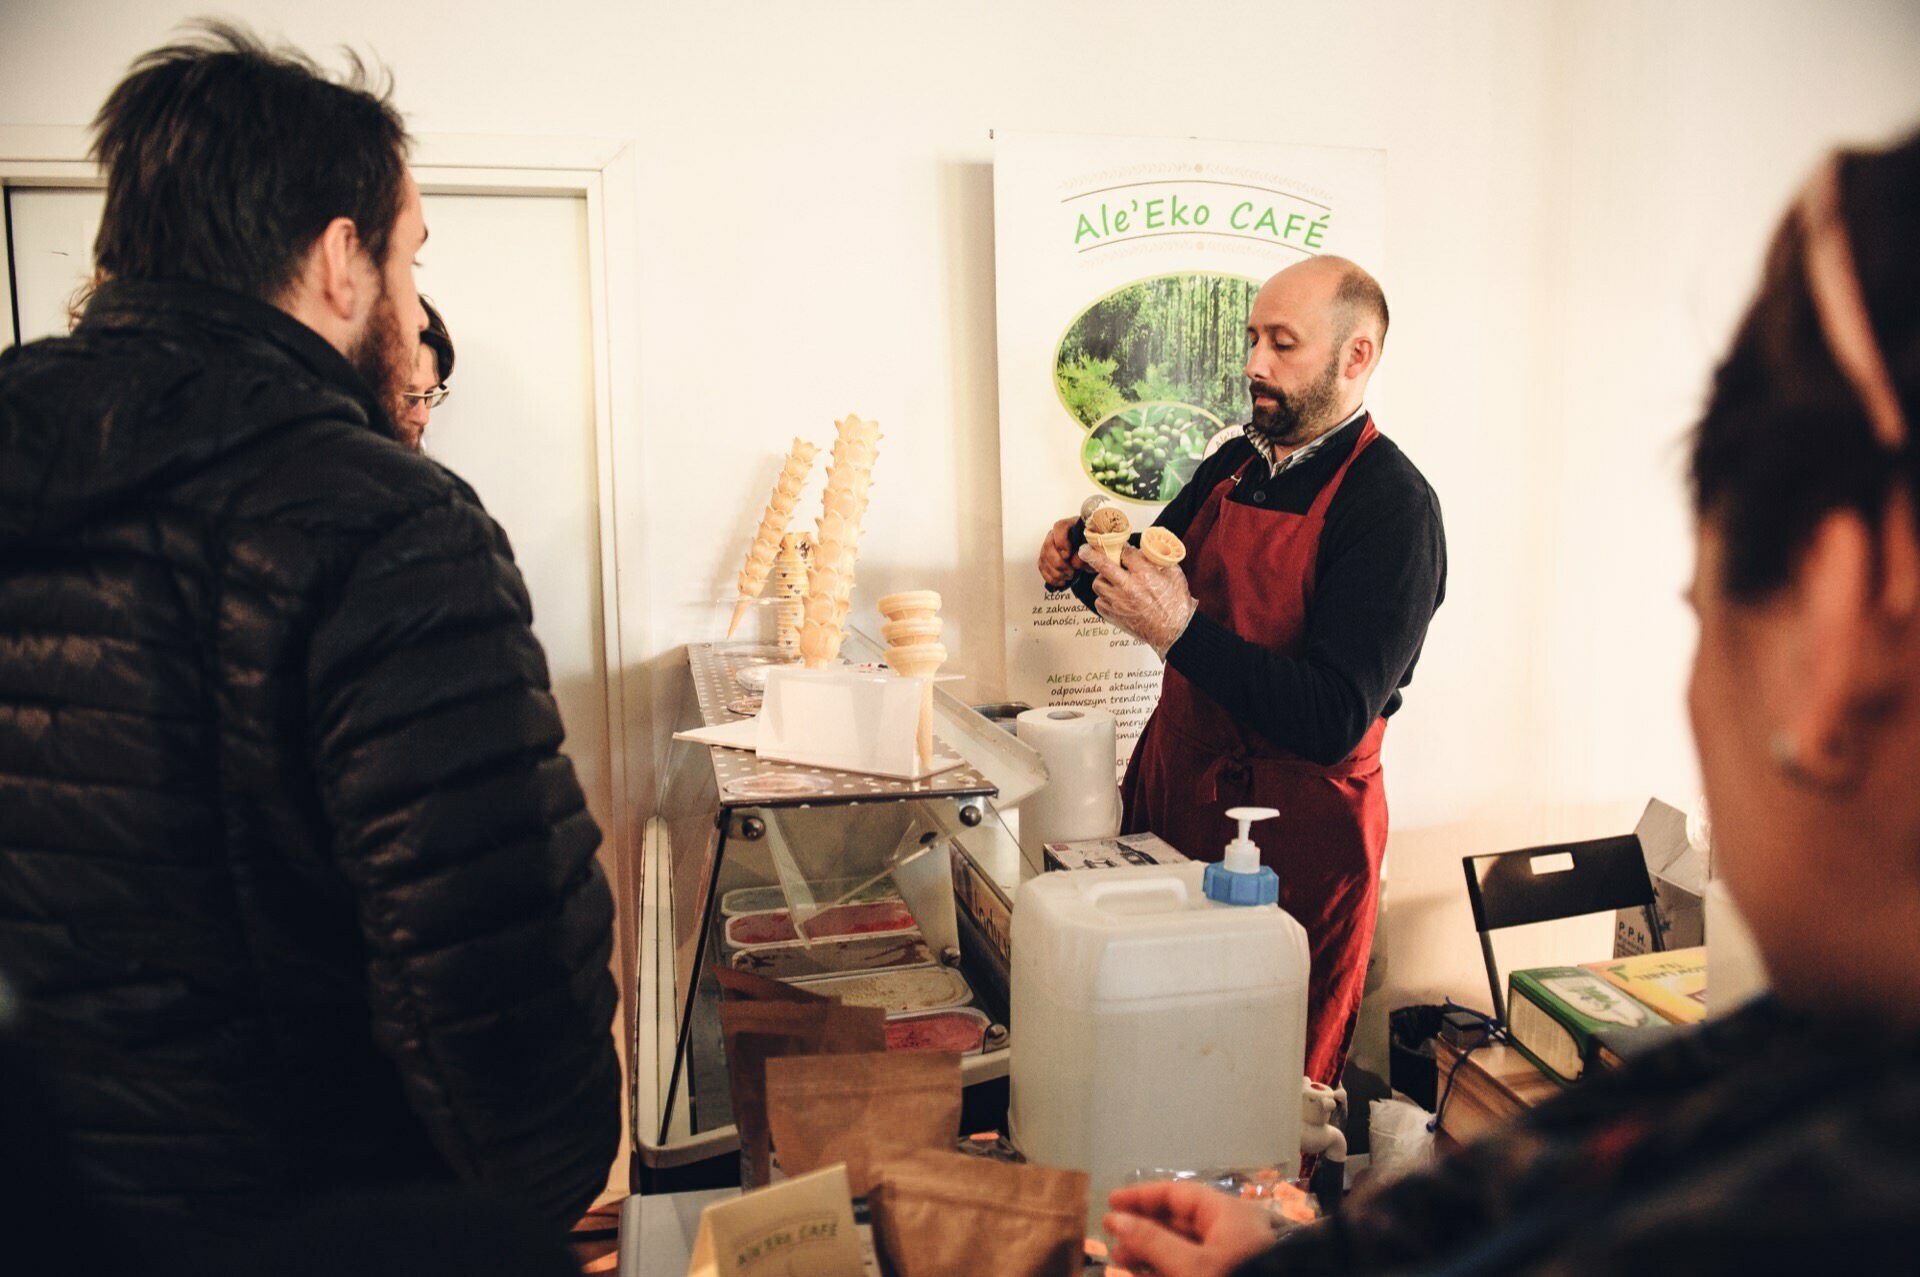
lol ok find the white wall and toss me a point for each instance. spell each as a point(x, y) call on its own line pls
point(1577, 197)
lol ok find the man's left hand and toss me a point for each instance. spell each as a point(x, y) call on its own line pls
point(1151, 603)
point(1184, 1230)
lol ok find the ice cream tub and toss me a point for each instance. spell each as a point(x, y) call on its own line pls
point(764, 899)
point(841, 957)
point(898, 992)
point(837, 922)
point(962, 1030)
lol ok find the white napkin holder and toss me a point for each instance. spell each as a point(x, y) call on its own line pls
point(850, 720)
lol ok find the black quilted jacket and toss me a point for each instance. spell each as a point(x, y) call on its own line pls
point(295, 884)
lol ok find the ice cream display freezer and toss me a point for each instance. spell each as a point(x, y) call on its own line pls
point(880, 892)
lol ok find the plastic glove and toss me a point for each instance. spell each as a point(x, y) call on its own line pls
point(1151, 603)
point(1185, 1230)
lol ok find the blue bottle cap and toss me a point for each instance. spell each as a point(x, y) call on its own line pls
point(1262, 887)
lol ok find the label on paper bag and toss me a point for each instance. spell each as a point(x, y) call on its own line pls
point(801, 1227)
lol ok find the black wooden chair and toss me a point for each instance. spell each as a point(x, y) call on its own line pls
point(1543, 884)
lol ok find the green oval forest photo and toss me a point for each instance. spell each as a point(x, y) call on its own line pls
point(1151, 371)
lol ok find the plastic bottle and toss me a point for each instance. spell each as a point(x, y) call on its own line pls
point(1154, 1025)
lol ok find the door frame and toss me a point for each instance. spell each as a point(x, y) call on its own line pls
point(604, 173)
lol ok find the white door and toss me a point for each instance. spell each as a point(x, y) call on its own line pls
point(509, 275)
point(52, 232)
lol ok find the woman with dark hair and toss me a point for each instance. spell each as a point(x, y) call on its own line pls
point(1785, 1137)
point(427, 383)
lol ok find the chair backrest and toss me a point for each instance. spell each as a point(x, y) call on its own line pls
point(1541, 884)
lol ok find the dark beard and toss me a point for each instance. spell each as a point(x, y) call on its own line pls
point(382, 359)
point(1295, 419)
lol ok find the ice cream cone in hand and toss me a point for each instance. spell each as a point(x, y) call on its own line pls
point(1107, 530)
point(1162, 548)
point(1107, 543)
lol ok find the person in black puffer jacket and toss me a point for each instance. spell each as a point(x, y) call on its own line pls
point(298, 894)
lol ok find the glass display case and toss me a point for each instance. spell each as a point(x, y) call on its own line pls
point(878, 891)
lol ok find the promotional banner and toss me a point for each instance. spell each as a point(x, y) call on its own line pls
point(1125, 270)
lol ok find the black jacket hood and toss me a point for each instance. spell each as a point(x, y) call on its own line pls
point(179, 376)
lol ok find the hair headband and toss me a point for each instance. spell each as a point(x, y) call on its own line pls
point(1834, 283)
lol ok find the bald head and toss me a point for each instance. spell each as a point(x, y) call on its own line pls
point(1313, 340)
point(1351, 296)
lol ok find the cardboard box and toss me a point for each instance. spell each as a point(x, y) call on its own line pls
point(1112, 853)
point(1679, 874)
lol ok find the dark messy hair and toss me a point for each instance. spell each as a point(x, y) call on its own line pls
point(436, 338)
point(1785, 439)
point(225, 160)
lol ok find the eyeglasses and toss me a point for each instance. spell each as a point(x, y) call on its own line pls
point(431, 398)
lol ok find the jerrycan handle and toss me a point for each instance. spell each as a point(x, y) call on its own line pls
point(1138, 887)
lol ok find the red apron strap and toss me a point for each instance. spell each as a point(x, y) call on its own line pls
point(1318, 511)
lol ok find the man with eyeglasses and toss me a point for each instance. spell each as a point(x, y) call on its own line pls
point(427, 383)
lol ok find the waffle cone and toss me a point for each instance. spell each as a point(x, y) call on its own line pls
point(912, 633)
point(910, 605)
point(1162, 548)
point(773, 523)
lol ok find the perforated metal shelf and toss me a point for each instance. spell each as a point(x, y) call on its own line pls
point(716, 668)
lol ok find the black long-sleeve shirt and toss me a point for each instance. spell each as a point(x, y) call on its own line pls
point(1380, 573)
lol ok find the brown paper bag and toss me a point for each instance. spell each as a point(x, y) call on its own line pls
point(861, 1109)
point(744, 986)
point(939, 1213)
point(755, 1032)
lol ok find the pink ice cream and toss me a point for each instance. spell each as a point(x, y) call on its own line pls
point(949, 1032)
point(776, 927)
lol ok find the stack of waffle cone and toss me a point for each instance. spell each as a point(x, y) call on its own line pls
point(1107, 529)
point(766, 539)
point(790, 587)
point(837, 547)
point(912, 633)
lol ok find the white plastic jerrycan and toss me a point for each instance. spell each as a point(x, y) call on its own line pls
point(1154, 1027)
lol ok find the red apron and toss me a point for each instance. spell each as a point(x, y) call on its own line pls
point(1252, 570)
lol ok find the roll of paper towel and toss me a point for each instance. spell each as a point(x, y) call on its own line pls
point(1080, 798)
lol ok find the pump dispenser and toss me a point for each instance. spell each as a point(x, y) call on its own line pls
point(1240, 878)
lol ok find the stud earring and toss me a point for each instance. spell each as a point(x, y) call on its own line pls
point(1786, 756)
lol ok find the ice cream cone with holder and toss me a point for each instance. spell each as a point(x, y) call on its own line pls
point(790, 588)
point(773, 524)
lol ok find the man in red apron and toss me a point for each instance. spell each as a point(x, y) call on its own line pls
point(1315, 561)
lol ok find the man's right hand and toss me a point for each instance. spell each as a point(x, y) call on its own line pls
point(1057, 566)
